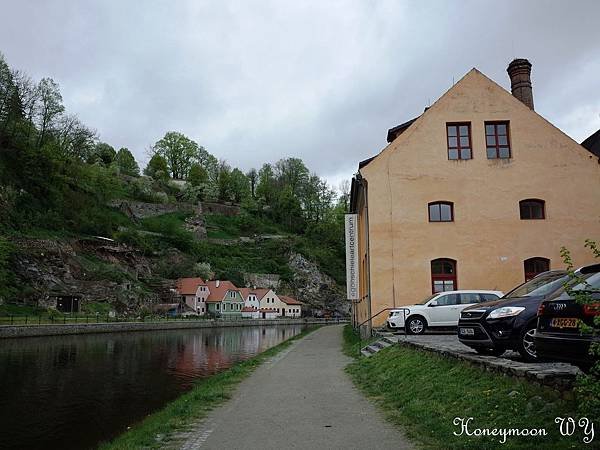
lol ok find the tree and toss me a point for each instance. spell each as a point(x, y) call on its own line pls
point(293, 173)
point(209, 163)
point(240, 185)
point(253, 178)
point(265, 188)
point(224, 182)
point(344, 198)
point(197, 175)
point(179, 151)
point(127, 163)
point(103, 153)
point(157, 168)
point(50, 108)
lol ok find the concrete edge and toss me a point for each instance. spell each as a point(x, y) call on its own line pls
point(19, 331)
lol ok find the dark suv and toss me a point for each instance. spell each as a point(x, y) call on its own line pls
point(491, 328)
point(558, 335)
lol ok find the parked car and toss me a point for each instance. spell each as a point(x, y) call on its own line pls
point(438, 310)
point(558, 335)
point(491, 328)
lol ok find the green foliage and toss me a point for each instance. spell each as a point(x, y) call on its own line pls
point(92, 308)
point(197, 175)
point(157, 168)
point(244, 224)
point(179, 151)
point(21, 310)
point(103, 154)
point(170, 226)
point(127, 163)
point(95, 269)
point(409, 384)
point(588, 385)
point(6, 276)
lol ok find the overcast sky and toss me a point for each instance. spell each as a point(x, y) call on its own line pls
point(255, 81)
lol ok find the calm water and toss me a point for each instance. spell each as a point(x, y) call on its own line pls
point(73, 392)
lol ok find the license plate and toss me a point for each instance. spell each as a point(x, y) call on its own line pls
point(564, 322)
point(467, 331)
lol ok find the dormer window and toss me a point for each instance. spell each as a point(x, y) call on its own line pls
point(459, 140)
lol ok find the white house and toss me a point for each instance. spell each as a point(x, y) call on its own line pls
point(194, 292)
point(292, 308)
point(251, 304)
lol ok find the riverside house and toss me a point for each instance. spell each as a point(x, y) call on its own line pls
point(251, 303)
point(194, 292)
point(291, 308)
point(478, 192)
point(225, 299)
point(271, 305)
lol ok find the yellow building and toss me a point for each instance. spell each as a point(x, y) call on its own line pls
point(479, 192)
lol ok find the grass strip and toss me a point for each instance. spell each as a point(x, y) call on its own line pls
point(424, 392)
point(155, 430)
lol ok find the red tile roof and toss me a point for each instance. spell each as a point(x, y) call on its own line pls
point(189, 286)
point(217, 294)
point(289, 300)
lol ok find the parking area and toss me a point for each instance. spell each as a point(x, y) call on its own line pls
point(554, 374)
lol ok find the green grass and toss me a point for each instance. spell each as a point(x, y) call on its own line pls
point(194, 405)
point(353, 343)
point(423, 393)
point(232, 227)
point(21, 310)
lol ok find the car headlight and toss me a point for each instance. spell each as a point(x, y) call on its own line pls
point(505, 311)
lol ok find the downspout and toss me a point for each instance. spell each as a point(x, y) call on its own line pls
point(365, 185)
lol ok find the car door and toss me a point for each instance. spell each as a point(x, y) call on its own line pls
point(446, 311)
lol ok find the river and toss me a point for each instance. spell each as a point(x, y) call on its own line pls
point(73, 392)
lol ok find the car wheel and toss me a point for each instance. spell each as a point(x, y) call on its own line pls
point(416, 325)
point(490, 351)
point(527, 345)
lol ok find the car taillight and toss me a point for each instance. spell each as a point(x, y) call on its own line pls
point(591, 309)
point(541, 309)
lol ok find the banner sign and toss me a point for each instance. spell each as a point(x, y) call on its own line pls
point(352, 257)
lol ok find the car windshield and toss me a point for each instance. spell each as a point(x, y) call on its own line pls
point(541, 285)
point(422, 302)
point(589, 282)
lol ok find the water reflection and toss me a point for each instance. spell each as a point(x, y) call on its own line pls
point(72, 392)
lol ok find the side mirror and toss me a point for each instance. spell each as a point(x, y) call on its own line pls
point(433, 303)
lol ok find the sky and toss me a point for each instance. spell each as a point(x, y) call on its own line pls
point(256, 81)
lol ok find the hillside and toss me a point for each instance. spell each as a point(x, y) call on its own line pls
point(78, 217)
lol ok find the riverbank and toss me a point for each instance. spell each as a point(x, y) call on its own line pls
point(19, 331)
point(424, 393)
point(158, 428)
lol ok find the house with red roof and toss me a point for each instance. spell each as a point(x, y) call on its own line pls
point(251, 303)
point(194, 292)
point(224, 299)
point(292, 308)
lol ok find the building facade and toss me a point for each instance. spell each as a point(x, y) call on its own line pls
point(478, 192)
point(194, 292)
point(224, 300)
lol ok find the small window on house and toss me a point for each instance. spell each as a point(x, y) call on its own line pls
point(459, 140)
point(443, 275)
point(535, 266)
point(441, 212)
point(532, 209)
point(496, 140)
point(218, 306)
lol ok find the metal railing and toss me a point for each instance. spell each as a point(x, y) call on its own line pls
point(405, 311)
point(74, 319)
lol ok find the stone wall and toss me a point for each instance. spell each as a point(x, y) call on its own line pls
point(219, 208)
point(10, 331)
point(142, 210)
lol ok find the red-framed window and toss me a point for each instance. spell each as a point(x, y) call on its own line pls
point(497, 140)
point(535, 266)
point(458, 137)
point(532, 209)
point(441, 211)
point(443, 275)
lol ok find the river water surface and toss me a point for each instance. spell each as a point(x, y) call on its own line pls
point(73, 392)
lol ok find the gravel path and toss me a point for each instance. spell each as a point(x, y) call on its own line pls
point(301, 399)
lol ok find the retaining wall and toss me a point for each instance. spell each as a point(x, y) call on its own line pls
point(17, 331)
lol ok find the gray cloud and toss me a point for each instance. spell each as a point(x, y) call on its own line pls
point(254, 81)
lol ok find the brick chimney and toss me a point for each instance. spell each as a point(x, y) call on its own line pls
point(519, 71)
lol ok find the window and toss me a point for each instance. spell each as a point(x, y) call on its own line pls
point(443, 275)
point(535, 266)
point(448, 300)
point(532, 209)
point(469, 298)
point(441, 212)
point(459, 140)
point(488, 297)
point(496, 140)
point(218, 306)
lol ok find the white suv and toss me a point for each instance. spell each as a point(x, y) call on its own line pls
point(438, 310)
